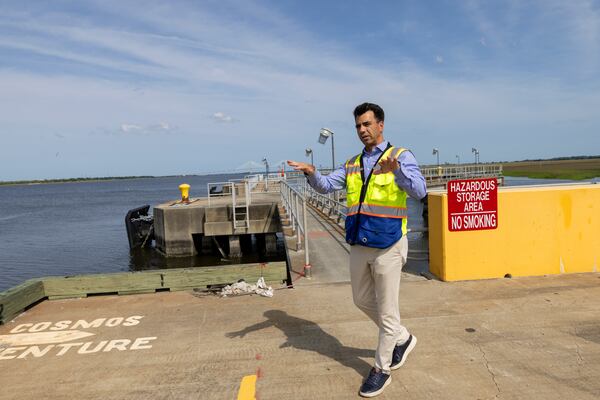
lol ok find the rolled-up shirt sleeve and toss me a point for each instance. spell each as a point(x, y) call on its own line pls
point(328, 183)
point(409, 177)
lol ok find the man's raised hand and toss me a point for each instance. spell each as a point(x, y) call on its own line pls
point(300, 166)
point(388, 165)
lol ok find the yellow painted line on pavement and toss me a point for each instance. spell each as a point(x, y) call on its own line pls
point(247, 388)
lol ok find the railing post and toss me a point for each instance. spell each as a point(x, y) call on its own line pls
point(247, 190)
point(208, 192)
point(292, 212)
point(307, 266)
point(233, 205)
point(298, 243)
point(287, 199)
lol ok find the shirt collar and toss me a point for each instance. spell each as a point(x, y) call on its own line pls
point(380, 148)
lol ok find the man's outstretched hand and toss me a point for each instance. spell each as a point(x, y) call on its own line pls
point(300, 166)
point(387, 165)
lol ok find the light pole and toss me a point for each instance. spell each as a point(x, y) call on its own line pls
point(458, 159)
point(437, 152)
point(323, 135)
point(264, 160)
point(309, 152)
point(474, 150)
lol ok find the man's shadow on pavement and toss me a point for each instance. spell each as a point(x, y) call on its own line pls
point(303, 334)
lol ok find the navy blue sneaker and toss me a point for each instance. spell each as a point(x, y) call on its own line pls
point(401, 352)
point(375, 383)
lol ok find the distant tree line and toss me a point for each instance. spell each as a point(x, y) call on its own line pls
point(558, 158)
point(66, 180)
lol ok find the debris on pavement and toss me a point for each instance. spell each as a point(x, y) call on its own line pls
point(242, 287)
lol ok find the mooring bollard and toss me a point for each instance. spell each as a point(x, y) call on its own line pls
point(185, 192)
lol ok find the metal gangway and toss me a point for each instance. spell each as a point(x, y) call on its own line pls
point(297, 195)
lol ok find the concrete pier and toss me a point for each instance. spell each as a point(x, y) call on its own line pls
point(175, 224)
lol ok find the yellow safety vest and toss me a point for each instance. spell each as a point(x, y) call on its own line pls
point(377, 213)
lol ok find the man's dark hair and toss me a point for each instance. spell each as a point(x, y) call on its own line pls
point(364, 107)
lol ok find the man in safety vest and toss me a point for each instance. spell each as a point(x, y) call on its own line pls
point(377, 183)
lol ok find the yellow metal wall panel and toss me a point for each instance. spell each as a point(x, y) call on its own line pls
point(437, 225)
point(542, 230)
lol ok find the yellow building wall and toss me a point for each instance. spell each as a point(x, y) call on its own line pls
point(541, 230)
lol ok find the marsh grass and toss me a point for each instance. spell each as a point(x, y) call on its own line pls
point(554, 169)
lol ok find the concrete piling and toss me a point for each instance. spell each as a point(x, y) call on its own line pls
point(235, 250)
point(270, 243)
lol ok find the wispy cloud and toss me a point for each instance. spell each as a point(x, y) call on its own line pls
point(128, 128)
point(222, 117)
point(133, 129)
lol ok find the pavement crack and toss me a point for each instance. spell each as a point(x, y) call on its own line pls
point(487, 366)
point(580, 359)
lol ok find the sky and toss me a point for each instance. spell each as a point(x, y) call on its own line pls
point(121, 88)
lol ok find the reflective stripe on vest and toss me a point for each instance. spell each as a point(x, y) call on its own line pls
point(379, 211)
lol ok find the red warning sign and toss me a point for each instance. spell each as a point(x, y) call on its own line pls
point(473, 204)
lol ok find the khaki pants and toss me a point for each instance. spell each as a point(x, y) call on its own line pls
point(375, 277)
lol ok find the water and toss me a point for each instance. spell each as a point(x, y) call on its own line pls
point(78, 228)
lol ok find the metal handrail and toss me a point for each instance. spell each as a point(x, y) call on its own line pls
point(232, 189)
point(462, 171)
point(227, 188)
point(327, 203)
point(294, 202)
point(250, 184)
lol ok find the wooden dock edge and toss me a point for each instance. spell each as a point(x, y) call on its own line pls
point(19, 298)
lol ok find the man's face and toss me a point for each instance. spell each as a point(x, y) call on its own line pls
point(370, 131)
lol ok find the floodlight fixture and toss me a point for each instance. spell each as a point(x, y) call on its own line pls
point(436, 152)
point(474, 150)
point(324, 133)
point(309, 152)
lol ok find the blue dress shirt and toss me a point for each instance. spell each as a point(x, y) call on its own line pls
point(408, 177)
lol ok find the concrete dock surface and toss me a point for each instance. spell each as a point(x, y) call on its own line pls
point(526, 338)
point(522, 338)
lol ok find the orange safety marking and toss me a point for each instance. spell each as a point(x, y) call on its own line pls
point(381, 215)
point(318, 234)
